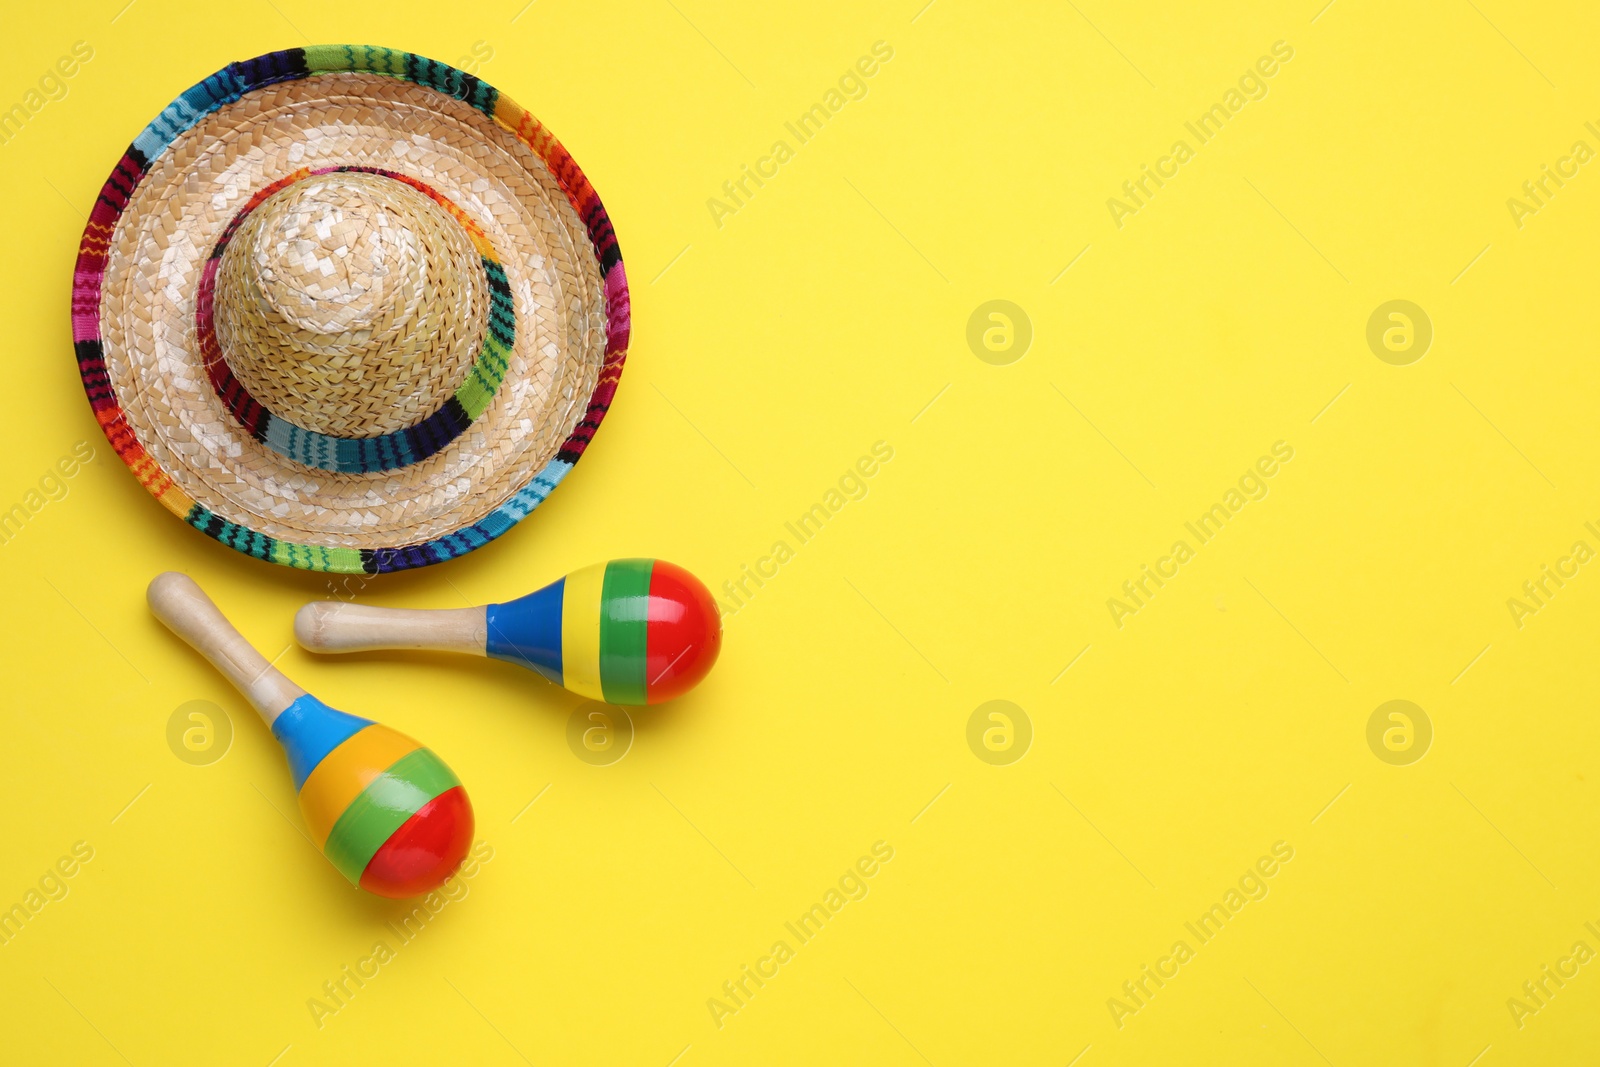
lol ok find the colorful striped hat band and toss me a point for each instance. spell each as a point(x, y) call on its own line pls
point(254, 290)
point(349, 309)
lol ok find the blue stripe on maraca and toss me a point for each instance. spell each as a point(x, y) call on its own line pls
point(528, 630)
point(308, 730)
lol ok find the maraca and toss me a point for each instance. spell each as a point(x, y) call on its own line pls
point(631, 631)
point(385, 811)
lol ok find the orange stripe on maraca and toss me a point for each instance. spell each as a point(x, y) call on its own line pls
point(388, 799)
point(346, 772)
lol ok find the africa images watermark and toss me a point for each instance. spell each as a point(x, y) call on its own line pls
point(1538, 992)
point(52, 487)
point(852, 486)
point(853, 885)
point(1537, 592)
point(1537, 192)
point(852, 85)
point(1252, 886)
point(1252, 85)
point(338, 992)
point(52, 887)
point(52, 85)
point(1252, 485)
point(472, 62)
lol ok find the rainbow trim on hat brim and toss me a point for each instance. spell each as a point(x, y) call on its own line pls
point(228, 85)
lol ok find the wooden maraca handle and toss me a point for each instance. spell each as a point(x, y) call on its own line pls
point(336, 626)
point(177, 601)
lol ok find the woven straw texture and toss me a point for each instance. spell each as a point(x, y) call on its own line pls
point(348, 309)
point(351, 304)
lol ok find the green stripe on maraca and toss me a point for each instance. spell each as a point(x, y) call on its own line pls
point(624, 618)
point(383, 807)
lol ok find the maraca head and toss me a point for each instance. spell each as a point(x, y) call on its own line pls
point(385, 811)
point(631, 631)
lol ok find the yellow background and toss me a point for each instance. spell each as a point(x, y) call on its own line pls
point(768, 355)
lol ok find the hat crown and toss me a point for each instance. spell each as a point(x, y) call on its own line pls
point(333, 261)
point(350, 304)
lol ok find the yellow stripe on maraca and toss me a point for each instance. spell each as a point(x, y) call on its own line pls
point(344, 774)
point(580, 631)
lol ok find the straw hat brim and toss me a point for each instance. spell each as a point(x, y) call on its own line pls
point(259, 122)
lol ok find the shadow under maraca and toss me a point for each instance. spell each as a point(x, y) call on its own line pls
point(667, 717)
point(519, 687)
point(518, 706)
point(515, 685)
point(346, 903)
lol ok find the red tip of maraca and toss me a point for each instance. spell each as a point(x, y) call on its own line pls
point(426, 849)
point(684, 633)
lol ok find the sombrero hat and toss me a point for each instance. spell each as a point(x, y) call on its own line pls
point(349, 309)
